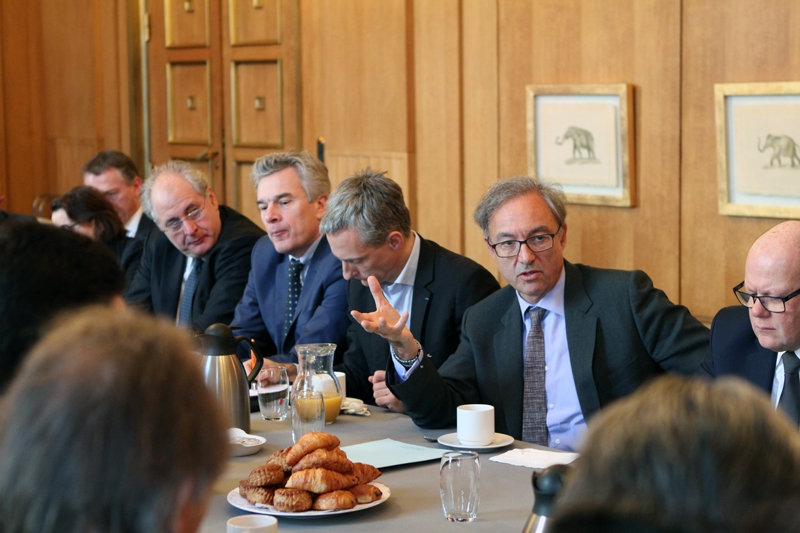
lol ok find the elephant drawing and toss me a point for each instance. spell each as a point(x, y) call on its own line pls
point(782, 146)
point(581, 139)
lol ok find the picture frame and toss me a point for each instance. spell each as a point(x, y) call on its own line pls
point(581, 136)
point(758, 156)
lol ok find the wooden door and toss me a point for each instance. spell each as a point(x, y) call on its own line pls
point(185, 85)
point(260, 87)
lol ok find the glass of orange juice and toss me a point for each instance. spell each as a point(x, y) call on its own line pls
point(308, 413)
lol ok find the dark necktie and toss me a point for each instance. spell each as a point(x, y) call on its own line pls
point(534, 398)
point(185, 315)
point(790, 397)
point(295, 268)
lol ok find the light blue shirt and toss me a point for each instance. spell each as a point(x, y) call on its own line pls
point(400, 295)
point(306, 257)
point(565, 422)
point(777, 381)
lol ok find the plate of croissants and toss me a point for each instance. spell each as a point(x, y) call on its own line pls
point(312, 478)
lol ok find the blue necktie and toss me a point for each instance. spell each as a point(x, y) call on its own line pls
point(295, 268)
point(184, 318)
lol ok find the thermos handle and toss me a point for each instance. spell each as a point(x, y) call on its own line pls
point(259, 358)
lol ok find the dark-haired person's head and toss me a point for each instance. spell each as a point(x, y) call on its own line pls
point(688, 456)
point(87, 211)
point(45, 270)
point(115, 175)
point(108, 427)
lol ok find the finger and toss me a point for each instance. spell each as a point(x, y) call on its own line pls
point(378, 377)
point(377, 292)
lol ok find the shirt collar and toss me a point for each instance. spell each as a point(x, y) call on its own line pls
point(553, 301)
point(310, 252)
point(409, 272)
point(133, 223)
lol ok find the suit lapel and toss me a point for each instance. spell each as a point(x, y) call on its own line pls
point(761, 366)
point(509, 360)
point(581, 335)
point(421, 295)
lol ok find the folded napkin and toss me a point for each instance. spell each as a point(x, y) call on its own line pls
point(534, 458)
point(354, 406)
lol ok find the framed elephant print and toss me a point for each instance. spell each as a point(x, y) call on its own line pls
point(581, 136)
point(758, 149)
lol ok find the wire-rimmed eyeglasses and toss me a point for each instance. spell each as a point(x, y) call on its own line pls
point(537, 243)
point(176, 225)
point(773, 304)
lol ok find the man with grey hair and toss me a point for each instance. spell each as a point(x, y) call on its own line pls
point(295, 293)
point(369, 229)
point(196, 270)
point(555, 345)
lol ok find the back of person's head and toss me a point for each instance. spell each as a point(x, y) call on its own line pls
point(86, 204)
point(112, 159)
point(109, 428)
point(690, 455)
point(312, 172)
point(369, 203)
point(45, 270)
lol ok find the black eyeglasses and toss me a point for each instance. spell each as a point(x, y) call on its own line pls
point(537, 243)
point(773, 304)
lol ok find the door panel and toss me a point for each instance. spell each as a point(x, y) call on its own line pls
point(254, 22)
point(256, 106)
point(185, 85)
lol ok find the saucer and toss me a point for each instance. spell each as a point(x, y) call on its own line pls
point(500, 440)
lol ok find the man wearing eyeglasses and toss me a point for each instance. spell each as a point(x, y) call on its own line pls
point(196, 270)
point(552, 348)
point(758, 339)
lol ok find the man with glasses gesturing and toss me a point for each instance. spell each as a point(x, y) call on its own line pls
point(758, 339)
point(196, 270)
point(552, 348)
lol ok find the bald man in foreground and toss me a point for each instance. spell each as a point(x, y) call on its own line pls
point(759, 339)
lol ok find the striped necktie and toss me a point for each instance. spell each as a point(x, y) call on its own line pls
point(185, 316)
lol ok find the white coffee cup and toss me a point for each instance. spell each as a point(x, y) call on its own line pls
point(253, 523)
point(342, 377)
point(475, 423)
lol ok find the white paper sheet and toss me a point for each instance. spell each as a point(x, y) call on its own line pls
point(534, 458)
point(388, 452)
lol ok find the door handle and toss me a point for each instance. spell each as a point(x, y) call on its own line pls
point(206, 155)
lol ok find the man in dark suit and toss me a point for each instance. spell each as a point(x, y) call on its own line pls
point(194, 271)
point(116, 175)
point(758, 339)
point(553, 347)
point(292, 189)
point(369, 229)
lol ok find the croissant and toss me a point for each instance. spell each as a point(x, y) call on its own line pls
point(335, 460)
point(268, 474)
point(365, 473)
point(291, 500)
point(366, 493)
point(338, 499)
point(318, 480)
point(308, 443)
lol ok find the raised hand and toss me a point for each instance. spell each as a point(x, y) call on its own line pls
point(387, 322)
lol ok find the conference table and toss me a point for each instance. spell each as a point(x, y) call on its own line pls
point(506, 495)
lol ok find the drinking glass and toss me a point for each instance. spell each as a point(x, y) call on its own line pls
point(308, 413)
point(460, 485)
point(273, 392)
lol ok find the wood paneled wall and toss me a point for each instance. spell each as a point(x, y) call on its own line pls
point(64, 92)
point(439, 85)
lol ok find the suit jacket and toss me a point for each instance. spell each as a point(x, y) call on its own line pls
point(128, 252)
point(735, 350)
point(145, 228)
point(620, 332)
point(157, 284)
point(446, 284)
point(321, 314)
